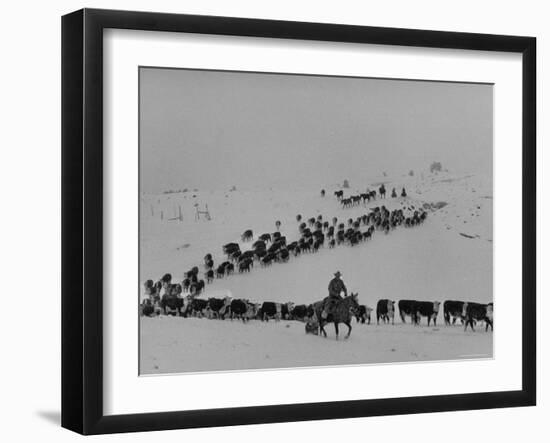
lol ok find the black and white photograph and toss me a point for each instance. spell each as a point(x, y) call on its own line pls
point(295, 221)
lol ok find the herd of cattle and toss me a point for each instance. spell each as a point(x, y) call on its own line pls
point(158, 301)
point(315, 232)
point(469, 313)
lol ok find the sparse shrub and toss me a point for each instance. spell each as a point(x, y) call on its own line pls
point(436, 167)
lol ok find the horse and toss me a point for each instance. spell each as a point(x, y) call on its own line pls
point(341, 313)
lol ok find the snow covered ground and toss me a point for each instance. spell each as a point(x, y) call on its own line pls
point(448, 257)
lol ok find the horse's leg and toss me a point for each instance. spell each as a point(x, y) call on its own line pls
point(348, 324)
point(336, 328)
point(322, 329)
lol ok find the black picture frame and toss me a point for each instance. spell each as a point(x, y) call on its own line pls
point(82, 220)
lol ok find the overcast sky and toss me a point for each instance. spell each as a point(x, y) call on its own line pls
point(212, 130)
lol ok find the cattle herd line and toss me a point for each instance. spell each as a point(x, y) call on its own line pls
point(168, 297)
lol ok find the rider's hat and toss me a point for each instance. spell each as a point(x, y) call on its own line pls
point(337, 274)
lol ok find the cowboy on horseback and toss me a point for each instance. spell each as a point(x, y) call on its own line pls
point(335, 288)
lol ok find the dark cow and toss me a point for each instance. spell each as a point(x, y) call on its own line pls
point(473, 312)
point(363, 314)
point(217, 307)
point(230, 248)
point(301, 312)
point(271, 310)
point(229, 268)
point(428, 309)
point(186, 283)
point(339, 194)
point(406, 308)
point(238, 309)
point(385, 310)
point(147, 308)
point(196, 307)
point(247, 255)
point(220, 271)
point(209, 275)
point(171, 299)
point(247, 235)
point(267, 259)
point(259, 244)
point(265, 237)
point(235, 256)
point(245, 265)
point(452, 309)
point(196, 287)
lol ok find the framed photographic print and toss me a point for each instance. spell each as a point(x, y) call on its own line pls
point(268, 221)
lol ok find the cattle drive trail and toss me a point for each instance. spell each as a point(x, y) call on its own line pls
point(448, 257)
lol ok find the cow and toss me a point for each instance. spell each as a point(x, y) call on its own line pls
point(267, 259)
point(406, 308)
point(265, 237)
point(217, 307)
point(230, 248)
point(229, 268)
point(197, 307)
point(452, 308)
point(152, 290)
point(186, 283)
point(171, 299)
point(147, 308)
point(385, 310)
point(300, 312)
point(196, 287)
point(247, 235)
point(363, 314)
point(238, 309)
point(209, 275)
point(235, 256)
point(271, 310)
point(473, 312)
point(339, 194)
point(427, 309)
point(283, 255)
point(245, 265)
point(247, 255)
point(259, 244)
point(220, 271)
